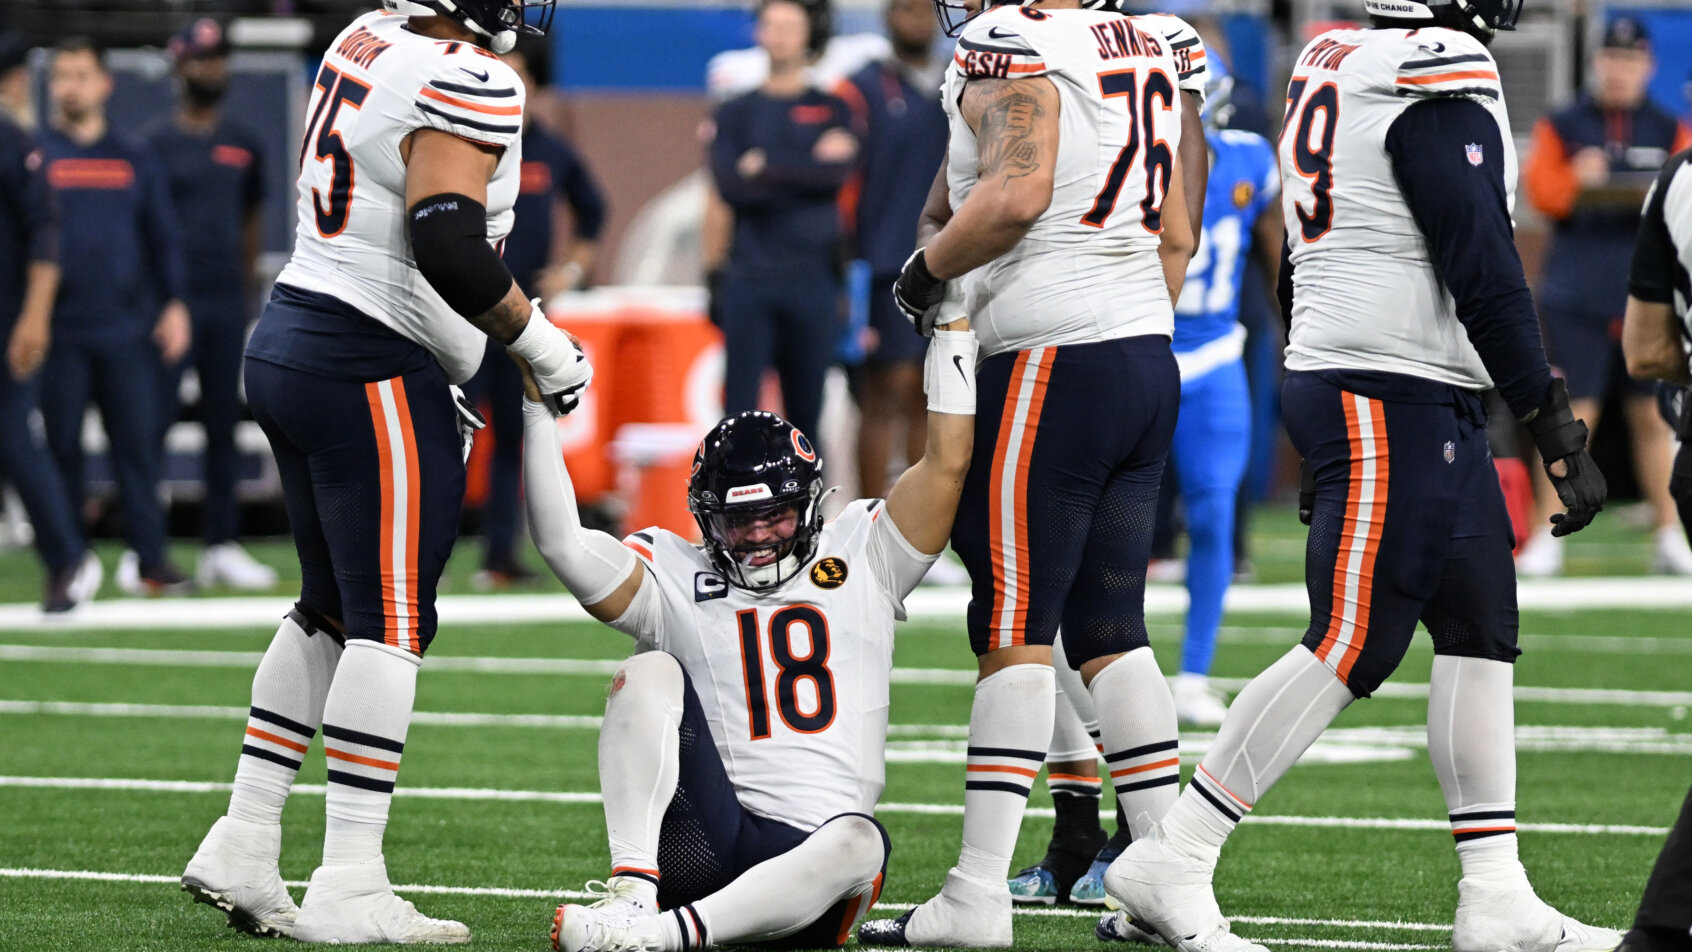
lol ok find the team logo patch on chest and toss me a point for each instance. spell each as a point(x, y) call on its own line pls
point(1244, 192)
point(1473, 151)
point(829, 572)
point(708, 585)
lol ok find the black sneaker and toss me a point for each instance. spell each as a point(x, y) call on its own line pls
point(164, 578)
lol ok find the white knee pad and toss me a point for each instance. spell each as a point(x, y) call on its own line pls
point(652, 674)
point(856, 847)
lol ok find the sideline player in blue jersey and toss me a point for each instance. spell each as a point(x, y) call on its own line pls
point(1213, 433)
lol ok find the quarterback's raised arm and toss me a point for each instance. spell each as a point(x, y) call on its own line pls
point(925, 499)
point(1016, 135)
point(603, 574)
point(446, 194)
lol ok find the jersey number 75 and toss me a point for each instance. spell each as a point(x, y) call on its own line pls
point(333, 90)
point(812, 667)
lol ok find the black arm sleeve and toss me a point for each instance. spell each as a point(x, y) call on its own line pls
point(1654, 257)
point(1463, 212)
point(449, 240)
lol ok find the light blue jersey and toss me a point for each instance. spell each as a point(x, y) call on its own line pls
point(1243, 181)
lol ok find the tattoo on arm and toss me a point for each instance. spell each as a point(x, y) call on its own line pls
point(1004, 114)
point(505, 321)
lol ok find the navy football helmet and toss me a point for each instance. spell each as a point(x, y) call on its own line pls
point(1481, 19)
point(755, 490)
point(499, 21)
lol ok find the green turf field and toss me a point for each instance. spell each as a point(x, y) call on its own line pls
point(498, 840)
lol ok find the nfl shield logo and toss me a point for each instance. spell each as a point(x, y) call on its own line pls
point(1473, 150)
point(1450, 451)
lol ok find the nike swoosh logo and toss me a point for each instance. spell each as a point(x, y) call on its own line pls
point(481, 77)
point(957, 361)
point(993, 33)
point(1437, 47)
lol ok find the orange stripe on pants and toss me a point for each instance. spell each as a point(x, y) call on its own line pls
point(1360, 534)
point(413, 511)
point(1018, 426)
point(384, 543)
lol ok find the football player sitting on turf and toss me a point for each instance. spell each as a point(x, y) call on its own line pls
point(741, 754)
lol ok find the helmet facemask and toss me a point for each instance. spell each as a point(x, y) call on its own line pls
point(762, 545)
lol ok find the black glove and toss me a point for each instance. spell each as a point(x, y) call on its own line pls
point(714, 296)
point(1306, 492)
point(470, 420)
point(919, 293)
point(1562, 438)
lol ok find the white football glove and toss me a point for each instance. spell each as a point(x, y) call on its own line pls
point(560, 367)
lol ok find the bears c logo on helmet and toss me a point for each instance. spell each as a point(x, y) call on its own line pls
point(802, 446)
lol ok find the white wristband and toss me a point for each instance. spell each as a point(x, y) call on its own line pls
point(948, 374)
point(556, 362)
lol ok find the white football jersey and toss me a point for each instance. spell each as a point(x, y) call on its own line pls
point(794, 681)
point(1088, 270)
point(1365, 294)
point(379, 83)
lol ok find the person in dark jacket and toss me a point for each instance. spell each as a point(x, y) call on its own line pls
point(1587, 170)
point(779, 158)
point(29, 277)
point(215, 169)
point(119, 320)
point(543, 266)
point(897, 116)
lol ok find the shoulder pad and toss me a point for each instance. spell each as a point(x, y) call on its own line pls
point(1439, 62)
point(471, 94)
point(998, 47)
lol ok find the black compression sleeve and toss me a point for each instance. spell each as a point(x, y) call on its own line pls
point(449, 240)
point(1463, 211)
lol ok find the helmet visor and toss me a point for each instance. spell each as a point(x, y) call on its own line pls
point(755, 537)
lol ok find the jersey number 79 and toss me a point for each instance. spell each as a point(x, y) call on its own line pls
point(1315, 162)
point(812, 667)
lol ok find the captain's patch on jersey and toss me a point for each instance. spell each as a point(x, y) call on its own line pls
point(829, 572)
point(1473, 150)
point(709, 585)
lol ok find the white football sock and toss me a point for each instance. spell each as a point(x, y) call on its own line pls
point(1472, 743)
point(289, 689)
point(1010, 727)
point(1141, 738)
point(639, 746)
point(840, 862)
point(1075, 724)
point(364, 726)
point(1270, 724)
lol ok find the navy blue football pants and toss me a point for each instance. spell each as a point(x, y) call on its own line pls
point(26, 464)
point(122, 379)
point(787, 320)
point(373, 477)
point(1409, 524)
point(1055, 520)
point(707, 839)
point(220, 336)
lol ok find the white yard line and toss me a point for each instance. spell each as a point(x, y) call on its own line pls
point(927, 604)
point(943, 809)
point(177, 658)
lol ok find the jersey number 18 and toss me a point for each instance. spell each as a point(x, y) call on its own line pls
point(812, 667)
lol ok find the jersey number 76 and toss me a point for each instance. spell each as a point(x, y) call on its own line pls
point(1124, 84)
point(812, 667)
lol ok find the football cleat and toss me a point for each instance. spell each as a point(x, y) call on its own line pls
point(228, 564)
point(1511, 918)
point(586, 929)
point(234, 871)
point(623, 896)
point(1168, 893)
point(966, 913)
point(1197, 704)
point(1089, 889)
point(1120, 927)
point(1035, 885)
point(351, 905)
